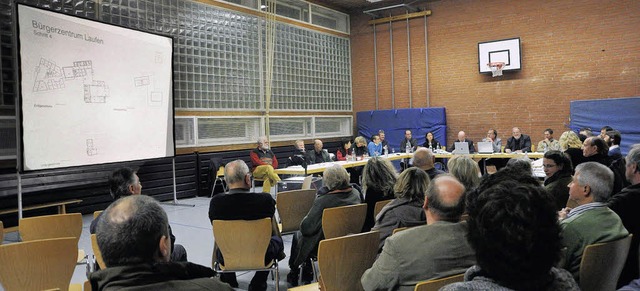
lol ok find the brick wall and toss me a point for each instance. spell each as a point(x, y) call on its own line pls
point(571, 50)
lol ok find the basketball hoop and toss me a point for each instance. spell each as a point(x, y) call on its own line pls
point(496, 68)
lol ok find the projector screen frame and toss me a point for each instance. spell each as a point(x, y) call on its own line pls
point(20, 165)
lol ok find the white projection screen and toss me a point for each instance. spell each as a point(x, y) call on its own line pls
point(92, 93)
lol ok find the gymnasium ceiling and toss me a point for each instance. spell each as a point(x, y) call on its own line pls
point(360, 5)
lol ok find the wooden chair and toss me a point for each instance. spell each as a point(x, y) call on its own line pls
point(38, 264)
point(292, 207)
point(97, 213)
point(343, 220)
point(243, 244)
point(96, 252)
point(52, 226)
point(436, 284)
point(1, 232)
point(219, 177)
point(602, 264)
point(399, 229)
point(379, 205)
point(343, 260)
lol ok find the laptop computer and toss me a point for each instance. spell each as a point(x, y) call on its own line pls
point(485, 147)
point(461, 148)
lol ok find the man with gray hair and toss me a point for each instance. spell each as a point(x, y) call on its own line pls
point(239, 203)
point(423, 159)
point(133, 237)
point(438, 249)
point(318, 155)
point(626, 204)
point(591, 221)
point(264, 163)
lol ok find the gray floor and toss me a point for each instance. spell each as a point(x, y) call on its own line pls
point(192, 229)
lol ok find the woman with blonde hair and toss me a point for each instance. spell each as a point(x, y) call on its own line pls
point(378, 178)
point(571, 145)
point(406, 209)
point(466, 170)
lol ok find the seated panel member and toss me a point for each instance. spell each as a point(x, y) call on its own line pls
point(299, 155)
point(318, 154)
point(383, 140)
point(431, 142)
point(360, 146)
point(375, 147)
point(263, 162)
point(438, 249)
point(496, 142)
point(518, 142)
point(133, 236)
point(408, 140)
point(344, 152)
point(548, 143)
point(242, 204)
point(462, 137)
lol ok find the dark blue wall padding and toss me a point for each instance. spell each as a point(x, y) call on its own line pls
point(622, 114)
point(394, 123)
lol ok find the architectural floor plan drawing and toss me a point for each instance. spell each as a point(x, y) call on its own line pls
point(154, 97)
point(50, 76)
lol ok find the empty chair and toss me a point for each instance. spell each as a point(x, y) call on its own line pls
point(292, 207)
point(52, 226)
point(343, 260)
point(219, 177)
point(343, 220)
point(602, 264)
point(436, 284)
point(38, 264)
point(243, 244)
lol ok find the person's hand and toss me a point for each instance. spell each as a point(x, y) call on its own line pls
point(507, 151)
point(562, 214)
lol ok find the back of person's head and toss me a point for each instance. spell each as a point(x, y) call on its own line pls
point(235, 171)
point(599, 178)
point(562, 161)
point(423, 158)
point(445, 198)
point(586, 131)
point(130, 230)
point(120, 181)
point(521, 165)
point(615, 137)
point(569, 139)
point(379, 174)
point(603, 148)
point(515, 233)
point(466, 170)
point(501, 175)
point(633, 157)
point(335, 177)
point(412, 184)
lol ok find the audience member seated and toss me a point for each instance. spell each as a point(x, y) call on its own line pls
point(614, 139)
point(125, 182)
point(496, 142)
point(133, 236)
point(242, 204)
point(557, 167)
point(571, 145)
point(583, 133)
point(431, 142)
point(343, 153)
point(548, 143)
point(604, 130)
point(520, 165)
point(375, 147)
point(466, 170)
point(318, 155)
point(406, 209)
point(594, 149)
point(518, 142)
point(336, 192)
point(299, 156)
point(383, 140)
point(510, 253)
point(462, 137)
point(424, 160)
point(263, 163)
point(591, 221)
point(438, 249)
point(378, 178)
point(626, 204)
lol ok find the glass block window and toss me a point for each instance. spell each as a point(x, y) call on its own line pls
point(185, 131)
point(247, 3)
point(333, 126)
point(290, 128)
point(221, 130)
point(329, 18)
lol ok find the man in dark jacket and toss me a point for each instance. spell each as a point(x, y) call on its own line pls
point(626, 205)
point(318, 154)
point(133, 236)
point(518, 142)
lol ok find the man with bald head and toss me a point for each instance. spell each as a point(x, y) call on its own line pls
point(462, 137)
point(423, 159)
point(518, 142)
point(318, 155)
point(438, 249)
point(133, 237)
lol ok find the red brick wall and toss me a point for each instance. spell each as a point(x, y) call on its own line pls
point(571, 50)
